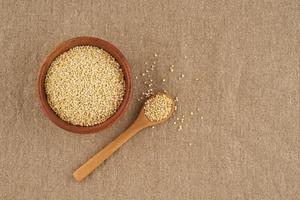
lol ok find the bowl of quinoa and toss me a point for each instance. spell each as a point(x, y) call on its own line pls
point(84, 85)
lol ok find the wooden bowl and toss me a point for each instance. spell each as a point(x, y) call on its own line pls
point(65, 46)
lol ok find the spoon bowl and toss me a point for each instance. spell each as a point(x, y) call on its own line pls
point(166, 118)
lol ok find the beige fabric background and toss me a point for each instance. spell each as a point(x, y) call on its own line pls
point(246, 56)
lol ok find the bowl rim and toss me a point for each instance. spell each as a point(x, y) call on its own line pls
point(58, 50)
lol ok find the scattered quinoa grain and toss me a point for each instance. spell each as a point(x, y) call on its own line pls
point(171, 68)
point(179, 128)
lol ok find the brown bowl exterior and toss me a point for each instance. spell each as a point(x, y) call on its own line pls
point(65, 46)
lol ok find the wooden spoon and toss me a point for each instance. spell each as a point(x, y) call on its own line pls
point(140, 123)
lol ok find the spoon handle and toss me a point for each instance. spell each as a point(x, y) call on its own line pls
point(108, 150)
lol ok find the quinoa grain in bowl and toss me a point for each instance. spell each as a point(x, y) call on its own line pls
point(84, 85)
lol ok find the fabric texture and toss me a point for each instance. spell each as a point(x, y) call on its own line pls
point(240, 61)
